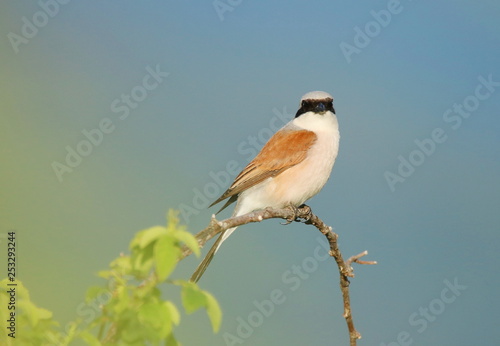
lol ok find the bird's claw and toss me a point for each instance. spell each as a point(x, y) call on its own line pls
point(308, 212)
point(295, 216)
point(292, 218)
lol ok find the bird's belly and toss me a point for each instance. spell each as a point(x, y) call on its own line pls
point(298, 183)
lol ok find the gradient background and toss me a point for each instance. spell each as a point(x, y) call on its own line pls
point(226, 77)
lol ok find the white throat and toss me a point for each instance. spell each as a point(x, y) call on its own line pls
point(315, 122)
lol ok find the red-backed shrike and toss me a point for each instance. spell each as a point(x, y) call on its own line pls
point(292, 167)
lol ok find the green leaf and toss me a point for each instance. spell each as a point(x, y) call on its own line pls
point(89, 338)
point(213, 311)
point(157, 320)
point(188, 239)
point(142, 261)
point(192, 297)
point(147, 236)
point(44, 314)
point(105, 274)
point(34, 313)
point(121, 301)
point(132, 333)
point(148, 289)
point(122, 265)
point(166, 255)
point(29, 310)
point(94, 291)
point(167, 323)
point(70, 332)
point(173, 312)
point(150, 315)
point(172, 341)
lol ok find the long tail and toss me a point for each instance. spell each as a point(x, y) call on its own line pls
point(210, 255)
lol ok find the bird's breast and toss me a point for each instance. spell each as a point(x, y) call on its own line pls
point(304, 180)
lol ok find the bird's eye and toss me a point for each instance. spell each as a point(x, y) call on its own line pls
point(304, 103)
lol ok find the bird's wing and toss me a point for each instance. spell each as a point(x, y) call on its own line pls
point(284, 150)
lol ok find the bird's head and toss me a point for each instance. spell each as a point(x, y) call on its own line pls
point(317, 102)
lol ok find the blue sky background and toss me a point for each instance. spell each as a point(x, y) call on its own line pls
point(227, 79)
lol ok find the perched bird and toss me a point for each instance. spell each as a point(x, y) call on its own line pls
point(292, 167)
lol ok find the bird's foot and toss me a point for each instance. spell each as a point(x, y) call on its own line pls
point(303, 215)
point(295, 213)
point(308, 212)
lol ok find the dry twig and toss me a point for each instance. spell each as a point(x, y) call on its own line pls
point(303, 213)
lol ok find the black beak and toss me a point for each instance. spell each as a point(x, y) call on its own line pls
point(320, 108)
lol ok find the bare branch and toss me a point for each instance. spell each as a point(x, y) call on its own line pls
point(303, 213)
point(355, 259)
